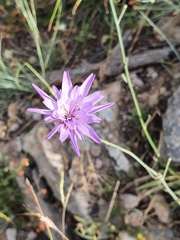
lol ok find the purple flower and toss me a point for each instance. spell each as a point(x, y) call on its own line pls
point(72, 110)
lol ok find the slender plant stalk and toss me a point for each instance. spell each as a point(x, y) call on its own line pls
point(158, 30)
point(125, 62)
point(30, 17)
point(112, 201)
point(58, 10)
point(64, 199)
point(39, 207)
point(40, 77)
point(57, 5)
point(156, 175)
point(76, 6)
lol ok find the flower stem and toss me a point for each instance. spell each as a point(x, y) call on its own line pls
point(128, 78)
point(151, 171)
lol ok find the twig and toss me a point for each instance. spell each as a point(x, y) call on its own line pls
point(39, 207)
point(148, 209)
point(65, 205)
point(64, 199)
point(112, 202)
point(129, 82)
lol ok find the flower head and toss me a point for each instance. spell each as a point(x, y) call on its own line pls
point(72, 110)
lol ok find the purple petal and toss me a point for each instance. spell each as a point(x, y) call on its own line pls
point(66, 83)
point(79, 117)
point(54, 130)
point(64, 133)
point(51, 104)
point(56, 92)
point(74, 142)
point(87, 107)
point(101, 107)
point(79, 134)
point(89, 132)
point(94, 97)
point(93, 119)
point(41, 92)
point(40, 111)
point(74, 92)
point(84, 88)
point(49, 119)
point(79, 101)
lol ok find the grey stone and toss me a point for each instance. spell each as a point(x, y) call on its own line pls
point(125, 236)
point(14, 126)
point(129, 200)
point(110, 125)
point(95, 150)
point(10, 234)
point(171, 129)
point(122, 163)
point(31, 235)
point(161, 234)
point(135, 80)
point(51, 159)
point(134, 217)
point(98, 163)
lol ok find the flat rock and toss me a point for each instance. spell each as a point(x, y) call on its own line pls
point(171, 129)
point(10, 234)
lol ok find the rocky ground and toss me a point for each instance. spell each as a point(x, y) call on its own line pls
point(95, 174)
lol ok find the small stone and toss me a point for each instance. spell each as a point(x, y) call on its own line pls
point(134, 218)
point(98, 164)
point(135, 80)
point(125, 236)
point(8, 54)
point(161, 234)
point(95, 150)
point(171, 129)
point(122, 163)
point(13, 111)
point(14, 127)
point(11, 233)
point(129, 200)
point(32, 60)
point(31, 235)
point(151, 73)
point(36, 116)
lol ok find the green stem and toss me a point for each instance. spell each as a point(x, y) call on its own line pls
point(57, 9)
point(168, 189)
point(33, 28)
point(152, 172)
point(158, 30)
point(49, 233)
point(167, 167)
point(125, 62)
point(40, 77)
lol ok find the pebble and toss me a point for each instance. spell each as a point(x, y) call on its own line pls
point(95, 150)
point(125, 236)
point(14, 127)
point(31, 235)
point(98, 164)
point(129, 200)
point(10, 234)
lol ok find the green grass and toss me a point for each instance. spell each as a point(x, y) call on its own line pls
point(11, 198)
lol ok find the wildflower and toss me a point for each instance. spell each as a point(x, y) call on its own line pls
point(72, 110)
